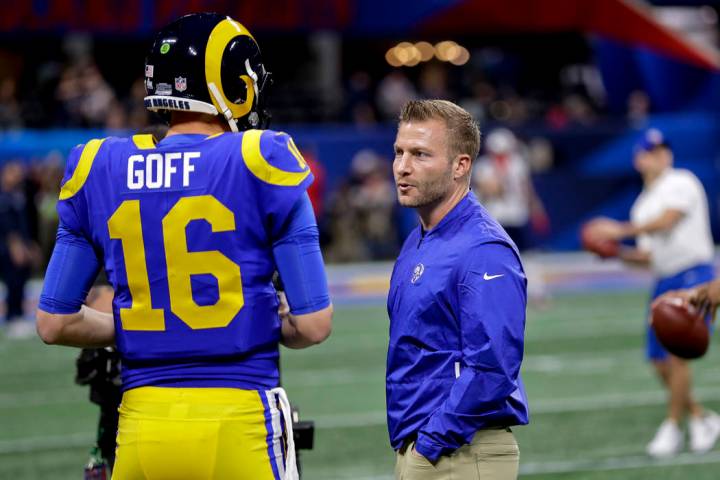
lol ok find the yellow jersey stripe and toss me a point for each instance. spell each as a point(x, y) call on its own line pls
point(79, 176)
point(296, 153)
point(144, 141)
point(260, 167)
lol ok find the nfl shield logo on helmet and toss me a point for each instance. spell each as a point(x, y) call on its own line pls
point(180, 84)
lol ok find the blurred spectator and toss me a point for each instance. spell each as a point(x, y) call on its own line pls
point(393, 92)
point(510, 109)
point(116, 118)
point(556, 117)
point(69, 96)
point(17, 254)
point(316, 191)
point(374, 200)
point(360, 109)
point(540, 154)
point(84, 96)
point(502, 181)
point(49, 175)
point(638, 108)
point(578, 109)
point(483, 95)
point(434, 81)
point(137, 114)
point(98, 96)
point(345, 241)
point(9, 106)
point(361, 213)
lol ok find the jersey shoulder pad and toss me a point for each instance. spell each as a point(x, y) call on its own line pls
point(273, 158)
point(143, 141)
point(77, 169)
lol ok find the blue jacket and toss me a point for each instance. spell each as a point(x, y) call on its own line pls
point(457, 320)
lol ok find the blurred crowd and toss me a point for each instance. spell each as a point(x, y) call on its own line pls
point(368, 102)
point(28, 215)
point(75, 92)
point(28, 222)
point(80, 97)
point(76, 87)
point(359, 219)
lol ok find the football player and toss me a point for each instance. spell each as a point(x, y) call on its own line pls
point(190, 230)
point(670, 222)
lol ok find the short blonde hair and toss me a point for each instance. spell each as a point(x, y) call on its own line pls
point(463, 130)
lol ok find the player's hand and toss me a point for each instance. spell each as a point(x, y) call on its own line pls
point(419, 455)
point(602, 230)
point(609, 229)
point(686, 296)
point(706, 298)
point(416, 453)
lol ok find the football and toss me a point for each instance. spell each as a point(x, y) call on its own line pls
point(591, 238)
point(680, 328)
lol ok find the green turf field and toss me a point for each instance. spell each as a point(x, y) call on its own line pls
point(593, 401)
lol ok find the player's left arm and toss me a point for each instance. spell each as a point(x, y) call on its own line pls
point(664, 222)
point(62, 319)
point(307, 315)
point(634, 257)
point(680, 196)
point(492, 297)
point(87, 328)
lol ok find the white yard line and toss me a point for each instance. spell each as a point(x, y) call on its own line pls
point(49, 442)
point(615, 463)
point(611, 401)
point(43, 397)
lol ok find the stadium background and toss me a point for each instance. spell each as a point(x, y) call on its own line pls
point(577, 81)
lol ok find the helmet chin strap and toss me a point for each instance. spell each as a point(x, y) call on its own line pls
point(224, 109)
point(253, 75)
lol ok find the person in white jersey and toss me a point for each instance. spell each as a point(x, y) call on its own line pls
point(670, 222)
point(501, 178)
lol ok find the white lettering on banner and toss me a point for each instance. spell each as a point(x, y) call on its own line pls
point(157, 170)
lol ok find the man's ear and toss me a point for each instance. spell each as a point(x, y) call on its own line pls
point(462, 166)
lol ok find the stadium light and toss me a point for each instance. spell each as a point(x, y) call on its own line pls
point(446, 50)
point(409, 55)
point(462, 56)
point(392, 59)
point(427, 51)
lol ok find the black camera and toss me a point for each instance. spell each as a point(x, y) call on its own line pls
point(100, 369)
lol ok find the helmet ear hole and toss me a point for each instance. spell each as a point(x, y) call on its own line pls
point(241, 58)
point(236, 92)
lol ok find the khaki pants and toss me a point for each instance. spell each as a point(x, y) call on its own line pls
point(493, 454)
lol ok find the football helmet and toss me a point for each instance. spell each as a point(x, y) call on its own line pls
point(207, 63)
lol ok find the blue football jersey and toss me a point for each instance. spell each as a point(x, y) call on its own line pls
point(185, 230)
